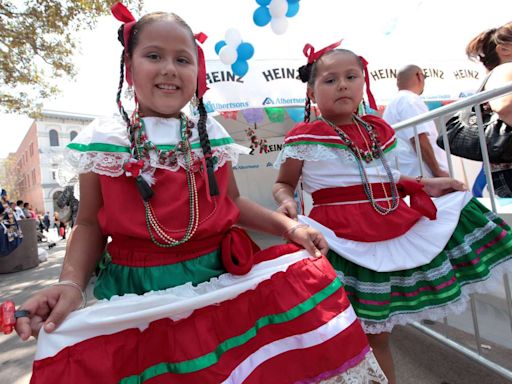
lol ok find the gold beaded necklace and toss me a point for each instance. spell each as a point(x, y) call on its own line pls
point(140, 140)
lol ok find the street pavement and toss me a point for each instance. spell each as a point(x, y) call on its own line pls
point(419, 358)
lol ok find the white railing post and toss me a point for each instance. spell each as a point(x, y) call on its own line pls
point(485, 156)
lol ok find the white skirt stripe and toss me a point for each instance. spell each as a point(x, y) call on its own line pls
point(309, 339)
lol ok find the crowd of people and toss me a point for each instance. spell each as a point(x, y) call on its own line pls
point(14, 211)
point(320, 315)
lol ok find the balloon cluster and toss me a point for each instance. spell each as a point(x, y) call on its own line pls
point(275, 12)
point(233, 51)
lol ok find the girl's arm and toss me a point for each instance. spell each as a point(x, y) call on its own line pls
point(86, 244)
point(284, 187)
point(438, 186)
point(50, 306)
point(256, 217)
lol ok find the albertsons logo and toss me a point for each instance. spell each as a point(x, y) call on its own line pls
point(268, 101)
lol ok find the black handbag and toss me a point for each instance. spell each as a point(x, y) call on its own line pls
point(462, 132)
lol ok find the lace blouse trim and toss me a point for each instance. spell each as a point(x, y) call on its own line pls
point(111, 163)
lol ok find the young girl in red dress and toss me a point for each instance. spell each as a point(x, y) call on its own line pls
point(399, 263)
point(187, 296)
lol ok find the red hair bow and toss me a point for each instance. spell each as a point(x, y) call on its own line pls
point(313, 56)
point(122, 14)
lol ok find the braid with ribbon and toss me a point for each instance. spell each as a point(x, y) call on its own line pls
point(203, 115)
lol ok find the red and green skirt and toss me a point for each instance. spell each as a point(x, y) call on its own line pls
point(287, 321)
point(476, 255)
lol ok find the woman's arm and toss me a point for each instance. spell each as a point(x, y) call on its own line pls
point(256, 217)
point(50, 306)
point(501, 75)
point(284, 187)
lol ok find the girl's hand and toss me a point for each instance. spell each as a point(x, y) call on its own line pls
point(47, 308)
point(309, 238)
point(439, 186)
point(288, 208)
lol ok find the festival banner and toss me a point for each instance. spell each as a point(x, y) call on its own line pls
point(275, 83)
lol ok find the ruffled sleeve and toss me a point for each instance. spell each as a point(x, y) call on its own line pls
point(224, 148)
point(316, 141)
point(102, 147)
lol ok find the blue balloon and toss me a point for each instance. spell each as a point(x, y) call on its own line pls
point(293, 1)
point(219, 45)
point(261, 16)
point(293, 8)
point(245, 51)
point(240, 67)
point(263, 3)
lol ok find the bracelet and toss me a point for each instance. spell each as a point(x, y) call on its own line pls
point(71, 283)
point(286, 234)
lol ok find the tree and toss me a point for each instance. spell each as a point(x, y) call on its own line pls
point(37, 43)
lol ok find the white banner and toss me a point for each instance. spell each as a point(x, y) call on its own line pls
point(275, 83)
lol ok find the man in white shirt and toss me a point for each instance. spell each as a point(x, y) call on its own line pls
point(407, 104)
point(18, 211)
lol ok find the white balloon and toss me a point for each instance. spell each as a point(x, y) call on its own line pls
point(278, 8)
point(279, 25)
point(228, 54)
point(233, 37)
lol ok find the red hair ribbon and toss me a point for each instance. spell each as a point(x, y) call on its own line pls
point(122, 14)
point(201, 66)
point(371, 99)
point(313, 56)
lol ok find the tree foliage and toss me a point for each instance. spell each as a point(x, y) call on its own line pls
point(37, 43)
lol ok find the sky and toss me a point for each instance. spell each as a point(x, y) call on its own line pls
point(400, 31)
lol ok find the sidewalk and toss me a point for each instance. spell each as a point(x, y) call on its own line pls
point(419, 358)
point(16, 356)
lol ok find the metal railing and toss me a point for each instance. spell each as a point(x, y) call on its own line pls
point(439, 116)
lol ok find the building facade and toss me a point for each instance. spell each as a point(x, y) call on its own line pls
point(39, 158)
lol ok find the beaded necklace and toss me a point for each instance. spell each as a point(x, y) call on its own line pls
point(141, 148)
point(373, 151)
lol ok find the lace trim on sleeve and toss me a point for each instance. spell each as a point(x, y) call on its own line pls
point(314, 152)
point(111, 163)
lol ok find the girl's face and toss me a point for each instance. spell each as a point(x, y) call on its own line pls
point(163, 68)
point(338, 87)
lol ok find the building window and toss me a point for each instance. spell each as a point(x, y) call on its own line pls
point(31, 149)
point(72, 135)
point(54, 138)
point(54, 175)
point(33, 177)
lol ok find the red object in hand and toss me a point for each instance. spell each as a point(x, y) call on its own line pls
point(7, 318)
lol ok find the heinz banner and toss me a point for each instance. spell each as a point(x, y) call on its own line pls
point(275, 83)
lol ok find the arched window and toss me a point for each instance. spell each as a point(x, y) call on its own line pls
point(54, 138)
point(72, 135)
